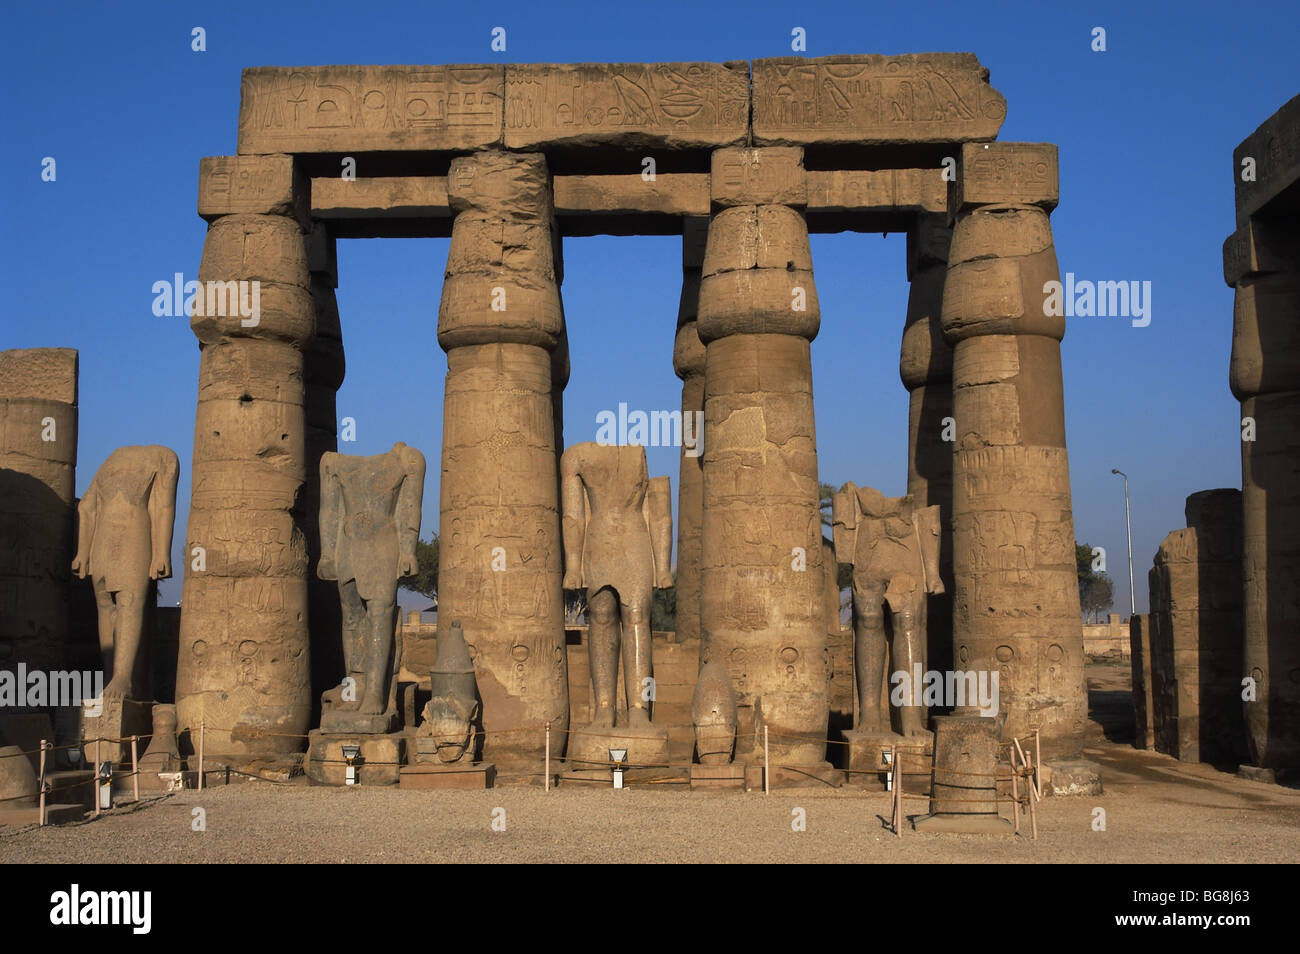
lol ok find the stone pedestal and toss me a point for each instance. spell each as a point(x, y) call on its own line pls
point(360, 723)
point(867, 765)
point(467, 775)
point(120, 718)
point(963, 793)
point(729, 776)
point(647, 747)
point(380, 762)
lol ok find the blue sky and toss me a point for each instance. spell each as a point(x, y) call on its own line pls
point(1146, 130)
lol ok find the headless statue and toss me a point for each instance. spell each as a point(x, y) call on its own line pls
point(618, 528)
point(124, 541)
point(369, 523)
point(894, 549)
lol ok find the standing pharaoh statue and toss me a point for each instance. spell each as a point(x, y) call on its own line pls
point(894, 549)
point(369, 524)
point(124, 541)
point(618, 528)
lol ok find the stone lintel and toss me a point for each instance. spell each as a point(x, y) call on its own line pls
point(1261, 245)
point(1005, 173)
point(874, 99)
point(771, 175)
point(266, 185)
point(1275, 149)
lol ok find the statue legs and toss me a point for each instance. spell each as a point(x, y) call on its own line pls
point(906, 602)
point(636, 661)
point(869, 654)
point(603, 646)
point(121, 623)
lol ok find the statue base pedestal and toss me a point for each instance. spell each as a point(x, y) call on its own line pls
point(866, 759)
point(333, 720)
point(380, 761)
point(647, 747)
point(816, 775)
point(473, 775)
point(729, 775)
point(982, 824)
point(30, 815)
point(120, 718)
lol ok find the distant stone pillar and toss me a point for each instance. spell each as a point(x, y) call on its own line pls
point(1197, 654)
point(500, 559)
point(688, 363)
point(323, 370)
point(1140, 666)
point(925, 365)
point(244, 663)
point(38, 464)
point(1262, 262)
point(761, 574)
point(1016, 601)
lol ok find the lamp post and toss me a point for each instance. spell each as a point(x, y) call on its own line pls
point(1128, 525)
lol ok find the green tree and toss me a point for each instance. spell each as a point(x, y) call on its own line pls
point(425, 579)
point(1096, 588)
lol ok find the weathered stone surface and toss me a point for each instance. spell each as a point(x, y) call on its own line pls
point(873, 99)
point(850, 190)
point(1075, 777)
point(681, 193)
point(1260, 246)
point(1140, 661)
point(1013, 173)
point(631, 105)
point(713, 713)
point(398, 197)
point(1196, 649)
point(348, 109)
point(379, 763)
point(747, 176)
point(963, 793)
point(499, 489)
point(269, 185)
point(762, 580)
point(38, 453)
point(1275, 149)
point(1016, 604)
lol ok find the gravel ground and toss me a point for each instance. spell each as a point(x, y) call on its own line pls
point(1157, 810)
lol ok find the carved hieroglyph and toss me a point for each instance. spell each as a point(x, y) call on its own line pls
point(763, 588)
point(243, 663)
point(369, 524)
point(873, 99)
point(893, 546)
point(618, 532)
point(38, 459)
point(499, 571)
point(668, 105)
point(370, 108)
point(1016, 605)
point(124, 543)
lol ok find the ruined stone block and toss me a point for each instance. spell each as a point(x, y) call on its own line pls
point(346, 109)
point(262, 184)
point(747, 176)
point(874, 99)
point(1011, 173)
point(1274, 148)
point(630, 105)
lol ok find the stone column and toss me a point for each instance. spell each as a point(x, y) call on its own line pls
point(1140, 667)
point(500, 566)
point(688, 363)
point(38, 462)
point(761, 575)
point(1262, 262)
point(1016, 601)
point(925, 366)
point(323, 370)
point(243, 664)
